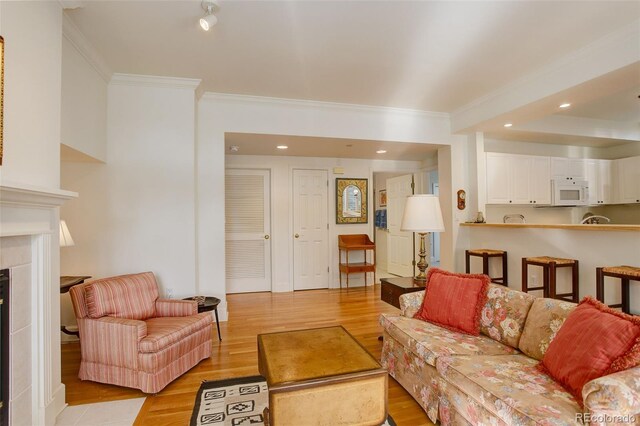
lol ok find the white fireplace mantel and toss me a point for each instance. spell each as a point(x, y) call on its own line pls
point(31, 211)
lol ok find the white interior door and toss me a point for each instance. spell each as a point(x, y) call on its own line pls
point(399, 243)
point(247, 230)
point(310, 229)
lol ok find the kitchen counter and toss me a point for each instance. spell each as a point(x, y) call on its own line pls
point(577, 227)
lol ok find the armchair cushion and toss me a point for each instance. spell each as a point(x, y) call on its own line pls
point(126, 296)
point(165, 331)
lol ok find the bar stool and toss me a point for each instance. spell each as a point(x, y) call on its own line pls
point(625, 273)
point(549, 266)
point(485, 254)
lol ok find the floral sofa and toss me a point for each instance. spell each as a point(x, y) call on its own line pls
point(492, 379)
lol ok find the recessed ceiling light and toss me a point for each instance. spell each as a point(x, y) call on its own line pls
point(508, 124)
point(234, 148)
point(282, 147)
point(381, 151)
point(565, 105)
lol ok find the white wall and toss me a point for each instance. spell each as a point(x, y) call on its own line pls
point(281, 168)
point(32, 34)
point(137, 212)
point(218, 114)
point(84, 104)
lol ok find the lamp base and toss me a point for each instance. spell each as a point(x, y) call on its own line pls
point(419, 281)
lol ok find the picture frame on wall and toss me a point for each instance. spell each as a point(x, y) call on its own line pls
point(351, 201)
point(383, 198)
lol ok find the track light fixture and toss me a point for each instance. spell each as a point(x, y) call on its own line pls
point(209, 19)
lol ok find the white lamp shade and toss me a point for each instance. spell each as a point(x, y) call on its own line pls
point(208, 21)
point(422, 214)
point(65, 235)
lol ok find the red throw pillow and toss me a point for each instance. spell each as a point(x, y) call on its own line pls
point(594, 341)
point(454, 301)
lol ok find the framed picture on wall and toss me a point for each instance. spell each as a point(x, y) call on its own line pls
point(351, 201)
point(383, 198)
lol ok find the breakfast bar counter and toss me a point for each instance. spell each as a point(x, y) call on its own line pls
point(592, 246)
point(576, 227)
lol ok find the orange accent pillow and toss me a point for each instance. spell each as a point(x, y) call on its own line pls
point(594, 341)
point(454, 301)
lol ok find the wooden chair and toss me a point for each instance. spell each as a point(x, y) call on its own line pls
point(549, 267)
point(626, 274)
point(485, 254)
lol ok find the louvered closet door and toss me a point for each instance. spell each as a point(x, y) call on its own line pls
point(247, 231)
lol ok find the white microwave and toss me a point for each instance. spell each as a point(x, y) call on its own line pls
point(569, 191)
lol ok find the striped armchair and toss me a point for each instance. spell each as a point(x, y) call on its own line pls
point(129, 337)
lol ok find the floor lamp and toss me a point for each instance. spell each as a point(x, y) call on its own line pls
point(422, 214)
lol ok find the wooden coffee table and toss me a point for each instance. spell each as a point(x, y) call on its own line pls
point(321, 376)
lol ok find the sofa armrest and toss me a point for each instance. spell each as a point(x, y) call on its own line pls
point(111, 341)
point(410, 303)
point(615, 394)
point(176, 308)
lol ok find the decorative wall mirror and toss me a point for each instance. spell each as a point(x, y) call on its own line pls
point(351, 201)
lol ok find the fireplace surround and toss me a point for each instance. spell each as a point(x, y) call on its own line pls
point(29, 224)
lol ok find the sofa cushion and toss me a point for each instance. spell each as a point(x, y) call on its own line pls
point(509, 387)
point(454, 301)
point(504, 314)
point(428, 341)
point(594, 341)
point(545, 318)
point(164, 331)
point(126, 296)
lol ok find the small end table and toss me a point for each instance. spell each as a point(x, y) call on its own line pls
point(210, 304)
point(66, 282)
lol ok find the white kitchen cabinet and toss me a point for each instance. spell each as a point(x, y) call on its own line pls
point(518, 179)
point(497, 178)
point(571, 167)
point(601, 182)
point(539, 180)
point(629, 180)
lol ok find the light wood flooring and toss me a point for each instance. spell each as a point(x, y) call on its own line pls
point(249, 315)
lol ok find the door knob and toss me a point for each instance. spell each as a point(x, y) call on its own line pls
point(266, 237)
point(297, 236)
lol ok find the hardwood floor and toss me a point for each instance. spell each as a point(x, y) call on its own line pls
point(249, 315)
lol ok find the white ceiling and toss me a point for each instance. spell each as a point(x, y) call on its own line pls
point(430, 55)
point(299, 146)
point(619, 106)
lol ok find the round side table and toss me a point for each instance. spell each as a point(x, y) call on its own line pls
point(210, 304)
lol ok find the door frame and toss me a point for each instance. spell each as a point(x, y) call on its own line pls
point(271, 233)
point(291, 219)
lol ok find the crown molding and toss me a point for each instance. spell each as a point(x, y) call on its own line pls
point(227, 97)
point(71, 32)
point(154, 81)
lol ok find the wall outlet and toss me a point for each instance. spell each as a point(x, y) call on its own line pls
point(169, 292)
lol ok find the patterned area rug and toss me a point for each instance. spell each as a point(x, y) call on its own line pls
point(234, 402)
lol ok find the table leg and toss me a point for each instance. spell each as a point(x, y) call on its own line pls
point(215, 311)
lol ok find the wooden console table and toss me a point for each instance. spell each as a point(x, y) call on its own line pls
point(393, 288)
point(353, 242)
